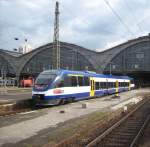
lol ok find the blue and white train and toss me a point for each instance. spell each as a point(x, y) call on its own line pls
point(54, 87)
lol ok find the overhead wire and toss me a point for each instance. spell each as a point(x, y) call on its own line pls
point(119, 18)
point(133, 15)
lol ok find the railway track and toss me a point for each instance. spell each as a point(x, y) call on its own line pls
point(126, 132)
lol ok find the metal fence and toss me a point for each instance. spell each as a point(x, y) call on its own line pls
point(7, 82)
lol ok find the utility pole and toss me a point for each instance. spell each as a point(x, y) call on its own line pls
point(56, 43)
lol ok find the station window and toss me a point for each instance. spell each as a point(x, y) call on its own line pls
point(86, 81)
point(80, 81)
point(73, 81)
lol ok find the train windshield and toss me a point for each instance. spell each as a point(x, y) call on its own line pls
point(45, 78)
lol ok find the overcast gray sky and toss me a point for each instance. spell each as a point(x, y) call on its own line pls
point(94, 24)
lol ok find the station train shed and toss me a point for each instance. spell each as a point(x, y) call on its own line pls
point(130, 58)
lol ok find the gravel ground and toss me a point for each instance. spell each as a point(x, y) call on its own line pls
point(36, 127)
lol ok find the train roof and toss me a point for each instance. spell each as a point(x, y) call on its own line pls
point(88, 73)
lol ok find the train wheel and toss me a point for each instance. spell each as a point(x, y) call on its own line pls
point(63, 101)
point(70, 100)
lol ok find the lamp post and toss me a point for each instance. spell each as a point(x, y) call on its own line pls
point(20, 49)
point(110, 68)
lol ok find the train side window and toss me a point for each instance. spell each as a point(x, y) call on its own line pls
point(102, 85)
point(111, 85)
point(122, 84)
point(119, 84)
point(114, 84)
point(80, 81)
point(67, 81)
point(73, 81)
point(105, 85)
point(59, 83)
point(86, 81)
point(97, 85)
point(127, 84)
point(108, 84)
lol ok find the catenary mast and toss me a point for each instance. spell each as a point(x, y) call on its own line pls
point(56, 43)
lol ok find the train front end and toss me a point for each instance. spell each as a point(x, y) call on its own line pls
point(43, 88)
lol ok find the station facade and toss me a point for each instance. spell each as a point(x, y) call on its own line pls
point(130, 58)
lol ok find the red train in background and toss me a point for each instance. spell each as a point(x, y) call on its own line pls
point(27, 82)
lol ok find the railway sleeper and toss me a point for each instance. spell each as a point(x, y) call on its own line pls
point(132, 132)
point(111, 144)
point(119, 140)
point(123, 136)
point(130, 127)
point(133, 124)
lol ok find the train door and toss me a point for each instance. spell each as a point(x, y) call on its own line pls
point(117, 87)
point(92, 89)
point(129, 85)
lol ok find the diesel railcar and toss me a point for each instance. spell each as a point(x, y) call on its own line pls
point(53, 87)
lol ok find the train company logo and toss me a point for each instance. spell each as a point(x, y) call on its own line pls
point(58, 91)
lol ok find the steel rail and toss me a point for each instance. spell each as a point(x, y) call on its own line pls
point(134, 142)
point(109, 130)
